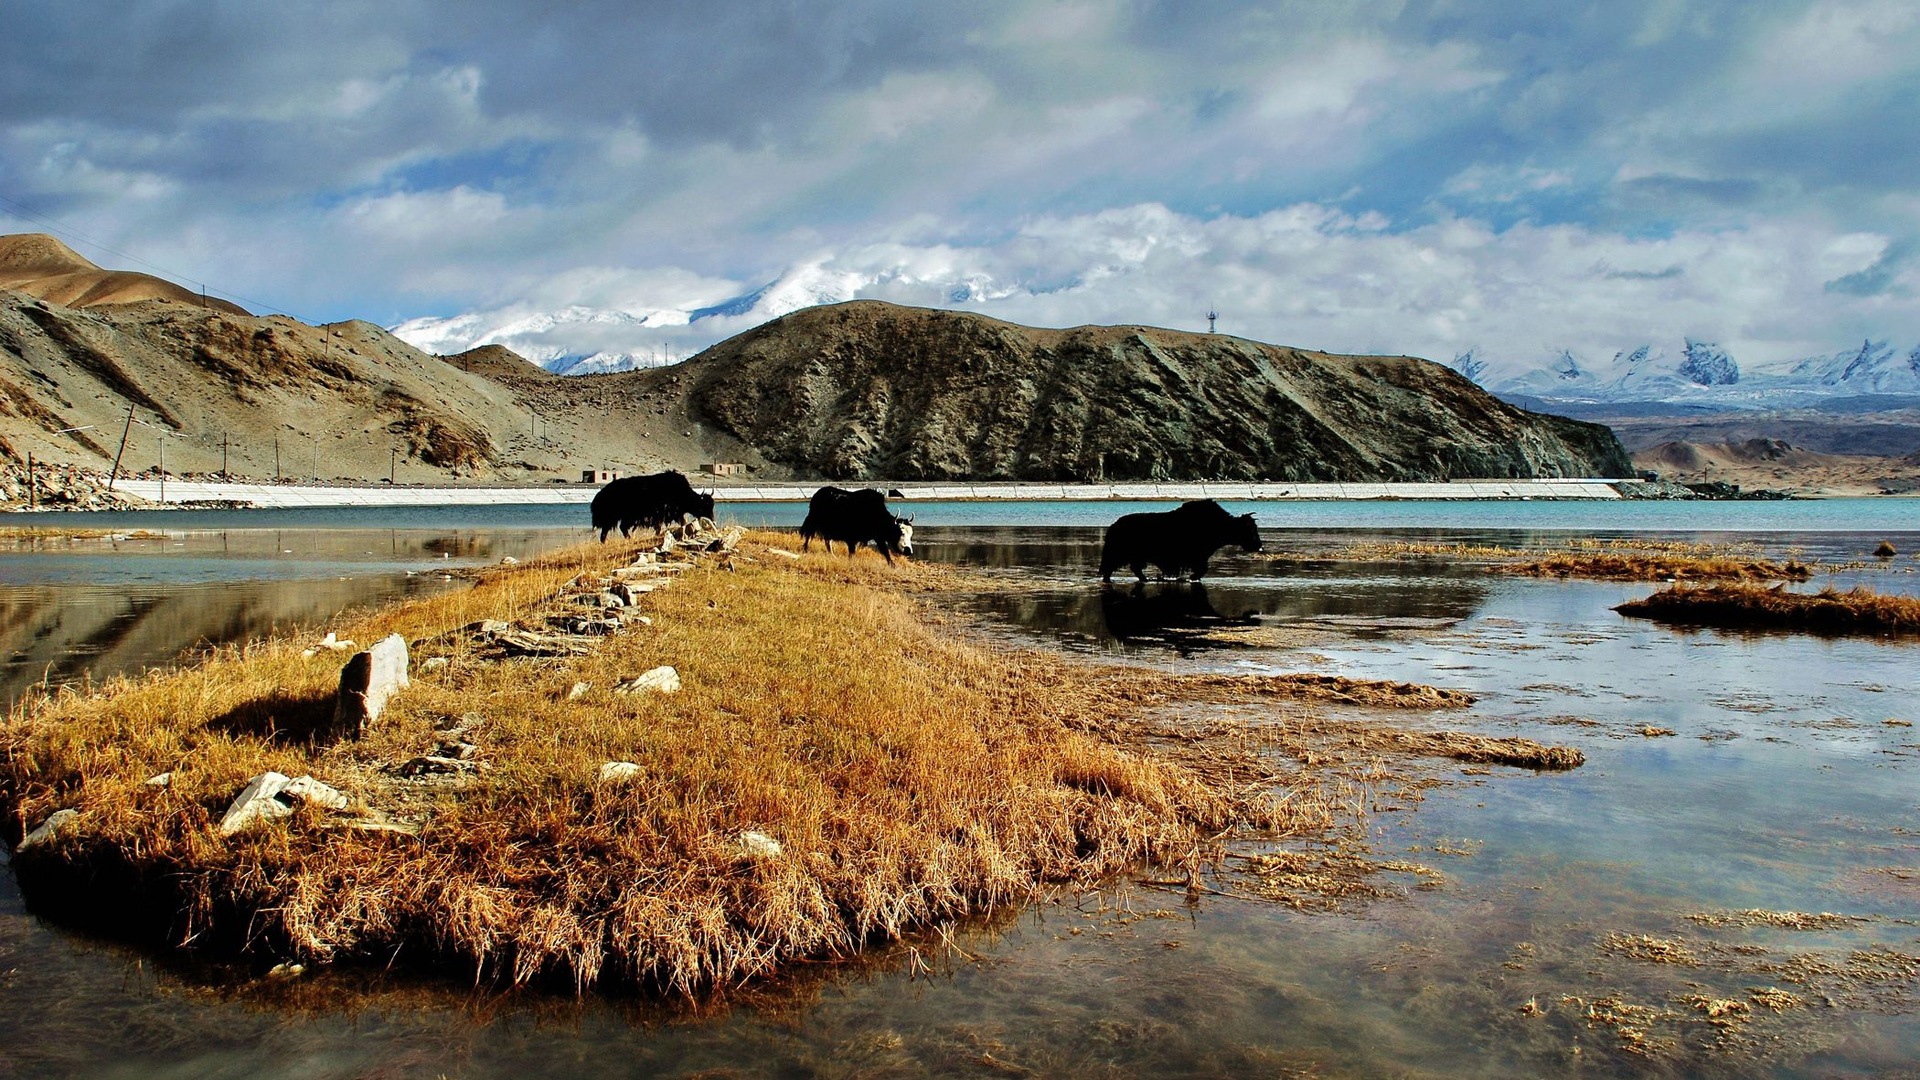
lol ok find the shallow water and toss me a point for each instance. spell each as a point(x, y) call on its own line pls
point(1781, 788)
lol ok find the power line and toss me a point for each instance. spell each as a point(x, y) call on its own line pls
point(68, 232)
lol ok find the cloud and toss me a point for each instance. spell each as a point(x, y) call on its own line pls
point(1312, 275)
point(1405, 175)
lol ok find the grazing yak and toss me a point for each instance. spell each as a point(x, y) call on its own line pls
point(1179, 542)
point(647, 502)
point(855, 518)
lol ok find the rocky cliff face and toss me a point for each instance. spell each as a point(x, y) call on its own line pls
point(870, 390)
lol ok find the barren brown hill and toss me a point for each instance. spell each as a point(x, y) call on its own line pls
point(41, 266)
point(1774, 463)
point(871, 390)
point(274, 396)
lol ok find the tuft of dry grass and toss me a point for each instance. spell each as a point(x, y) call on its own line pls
point(1857, 611)
point(1607, 560)
point(1483, 750)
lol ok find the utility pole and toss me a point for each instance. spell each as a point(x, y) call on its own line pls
point(115, 474)
point(223, 457)
point(393, 463)
point(33, 484)
point(316, 458)
point(163, 470)
point(276, 459)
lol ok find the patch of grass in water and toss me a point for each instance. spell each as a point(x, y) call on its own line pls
point(1859, 610)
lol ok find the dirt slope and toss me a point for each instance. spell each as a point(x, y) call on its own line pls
point(43, 267)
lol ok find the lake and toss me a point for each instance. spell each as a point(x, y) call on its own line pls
point(1531, 945)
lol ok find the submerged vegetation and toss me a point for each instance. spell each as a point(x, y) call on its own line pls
point(832, 771)
point(1858, 610)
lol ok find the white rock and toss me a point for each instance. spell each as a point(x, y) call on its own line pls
point(160, 780)
point(578, 691)
point(433, 663)
point(614, 772)
point(314, 793)
point(368, 680)
point(663, 680)
point(271, 795)
point(758, 845)
point(508, 560)
point(48, 829)
point(783, 553)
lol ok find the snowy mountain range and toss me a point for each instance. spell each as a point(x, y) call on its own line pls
point(583, 340)
point(1704, 374)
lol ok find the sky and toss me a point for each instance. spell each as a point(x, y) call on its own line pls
point(1507, 176)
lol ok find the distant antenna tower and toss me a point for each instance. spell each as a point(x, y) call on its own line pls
point(1212, 316)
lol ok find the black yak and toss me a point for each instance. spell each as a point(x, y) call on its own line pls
point(855, 518)
point(648, 502)
point(1179, 541)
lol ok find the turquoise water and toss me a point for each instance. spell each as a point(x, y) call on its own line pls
point(1597, 517)
point(1782, 787)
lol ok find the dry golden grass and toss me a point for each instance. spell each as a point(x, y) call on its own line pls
point(1611, 560)
point(908, 778)
point(1857, 611)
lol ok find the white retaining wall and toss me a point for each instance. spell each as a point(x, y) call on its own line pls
point(277, 496)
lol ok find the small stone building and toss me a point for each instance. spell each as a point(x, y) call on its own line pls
point(599, 476)
point(724, 468)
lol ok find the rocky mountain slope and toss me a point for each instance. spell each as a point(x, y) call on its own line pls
point(870, 390)
point(856, 390)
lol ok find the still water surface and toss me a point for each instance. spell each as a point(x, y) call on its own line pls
point(1782, 788)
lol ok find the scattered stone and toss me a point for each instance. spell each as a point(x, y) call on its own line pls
point(435, 763)
point(728, 540)
point(611, 599)
point(615, 772)
point(783, 553)
point(526, 643)
point(160, 780)
point(630, 594)
point(758, 845)
point(433, 663)
point(368, 680)
point(1652, 732)
point(663, 680)
point(578, 691)
point(327, 644)
point(288, 970)
point(488, 626)
point(271, 795)
point(508, 560)
point(48, 829)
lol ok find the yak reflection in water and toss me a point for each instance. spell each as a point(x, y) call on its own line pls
point(1168, 611)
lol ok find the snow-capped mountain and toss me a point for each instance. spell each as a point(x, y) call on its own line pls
point(581, 340)
point(1703, 373)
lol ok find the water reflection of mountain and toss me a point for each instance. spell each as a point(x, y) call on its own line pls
point(64, 633)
